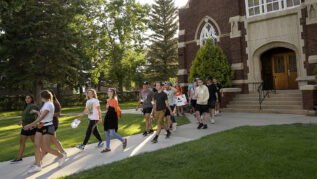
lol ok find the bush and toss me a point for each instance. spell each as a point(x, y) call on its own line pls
point(315, 72)
point(210, 61)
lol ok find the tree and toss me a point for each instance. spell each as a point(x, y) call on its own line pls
point(163, 53)
point(38, 45)
point(210, 61)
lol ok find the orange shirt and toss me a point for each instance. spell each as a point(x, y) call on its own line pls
point(179, 90)
point(113, 103)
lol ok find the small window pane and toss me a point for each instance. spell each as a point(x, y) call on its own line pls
point(296, 2)
point(251, 12)
point(250, 3)
point(269, 8)
point(256, 2)
point(257, 10)
point(289, 3)
point(292, 63)
point(275, 5)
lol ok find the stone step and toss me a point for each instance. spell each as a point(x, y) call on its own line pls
point(279, 111)
point(270, 95)
point(267, 102)
point(268, 99)
point(266, 107)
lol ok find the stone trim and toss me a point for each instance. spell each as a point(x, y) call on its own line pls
point(186, 6)
point(182, 72)
point(237, 66)
point(312, 59)
point(306, 78)
point(308, 88)
point(204, 20)
point(234, 21)
point(181, 32)
point(232, 90)
point(237, 82)
point(311, 12)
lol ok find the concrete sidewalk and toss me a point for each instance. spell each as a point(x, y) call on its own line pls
point(78, 161)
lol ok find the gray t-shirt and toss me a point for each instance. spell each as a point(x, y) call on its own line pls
point(147, 96)
point(170, 96)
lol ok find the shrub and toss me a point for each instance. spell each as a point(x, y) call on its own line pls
point(315, 72)
point(210, 61)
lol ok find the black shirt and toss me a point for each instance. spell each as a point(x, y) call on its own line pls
point(160, 99)
point(219, 87)
point(212, 92)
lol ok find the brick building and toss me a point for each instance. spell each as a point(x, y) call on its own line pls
point(268, 42)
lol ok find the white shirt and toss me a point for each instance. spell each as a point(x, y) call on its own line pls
point(48, 119)
point(92, 105)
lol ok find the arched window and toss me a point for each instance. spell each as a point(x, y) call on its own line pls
point(208, 32)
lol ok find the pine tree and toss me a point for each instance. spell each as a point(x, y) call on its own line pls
point(210, 61)
point(162, 55)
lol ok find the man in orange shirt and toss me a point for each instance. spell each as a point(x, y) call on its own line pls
point(179, 109)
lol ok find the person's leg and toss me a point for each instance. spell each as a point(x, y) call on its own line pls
point(169, 122)
point(46, 139)
point(172, 117)
point(23, 139)
point(114, 134)
point(198, 116)
point(148, 122)
point(88, 132)
point(96, 131)
point(37, 148)
point(159, 116)
point(108, 139)
point(57, 143)
point(205, 117)
point(182, 109)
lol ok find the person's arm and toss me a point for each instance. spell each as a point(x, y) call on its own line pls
point(217, 97)
point(85, 112)
point(39, 119)
point(99, 113)
point(169, 108)
point(221, 90)
point(207, 94)
point(139, 103)
point(57, 112)
point(154, 107)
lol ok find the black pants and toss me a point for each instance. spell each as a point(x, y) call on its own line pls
point(92, 127)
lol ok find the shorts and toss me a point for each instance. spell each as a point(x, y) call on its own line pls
point(147, 110)
point(49, 130)
point(193, 103)
point(160, 115)
point(219, 98)
point(29, 132)
point(55, 123)
point(202, 108)
point(212, 104)
point(168, 113)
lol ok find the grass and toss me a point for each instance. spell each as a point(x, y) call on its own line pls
point(129, 124)
point(287, 151)
point(72, 109)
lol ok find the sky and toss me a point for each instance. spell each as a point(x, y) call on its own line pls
point(179, 3)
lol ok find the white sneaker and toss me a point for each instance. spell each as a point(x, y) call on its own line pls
point(216, 113)
point(34, 169)
point(62, 160)
point(174, 126)
point(65, 154)
point(212, 121)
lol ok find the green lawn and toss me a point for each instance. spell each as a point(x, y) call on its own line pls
point(287, 151)
point(73, 109)
point(129, 124)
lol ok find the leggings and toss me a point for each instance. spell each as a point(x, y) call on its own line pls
point(92, 127)
point(111, 132)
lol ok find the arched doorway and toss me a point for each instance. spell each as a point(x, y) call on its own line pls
point(279, 69)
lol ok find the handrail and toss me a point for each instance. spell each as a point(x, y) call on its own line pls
point(263, 94)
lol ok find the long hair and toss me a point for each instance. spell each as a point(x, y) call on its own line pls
point(94, 92)
point(114, 94)
point(32, 102)
point(55, 98)
point(46, 94)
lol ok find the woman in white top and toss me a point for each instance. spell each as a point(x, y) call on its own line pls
point(94, 116)
point(44, 133)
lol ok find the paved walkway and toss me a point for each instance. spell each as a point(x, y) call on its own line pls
point(78, 161)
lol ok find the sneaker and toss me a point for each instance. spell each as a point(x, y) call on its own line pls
point(105, 150)
point(124, 144)
point(151, 131)
point(62, 160)
point(174, 126)
point(168, 134)
point(205, 126)
point(200, 126)
point(65, 154)
point(100, 144)
point(212, 121)
point(154, 140)
point(34, 169)
point(16, 161)
point(165, 133)
point(81, 147)
point(145, 134)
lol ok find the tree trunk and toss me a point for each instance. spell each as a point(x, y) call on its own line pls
point(120, 90)
point(59, 93)
point(37, 87)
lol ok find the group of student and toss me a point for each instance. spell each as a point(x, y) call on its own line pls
point(41, 125)
point(205, 99)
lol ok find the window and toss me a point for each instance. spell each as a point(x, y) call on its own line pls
point(279, 64)
point(208, 32)
point(292, 63)
point(257, 7)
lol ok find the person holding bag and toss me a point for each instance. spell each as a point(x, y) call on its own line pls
point(111, 120)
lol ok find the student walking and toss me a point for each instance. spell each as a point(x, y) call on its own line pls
point(27, 118)
point(44, 132)
point(192, 97)
point(220, 96)
point(94, 118)
point(160, 106)
point(179, 109)
point(146, 97)
point(111, 120)
point(213, 99)
point(202, 95)
point(170, 91)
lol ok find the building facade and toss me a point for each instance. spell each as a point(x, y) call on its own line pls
point(273, 42)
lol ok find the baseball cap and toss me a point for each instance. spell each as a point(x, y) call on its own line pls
point(146, 83)
point(208, 78)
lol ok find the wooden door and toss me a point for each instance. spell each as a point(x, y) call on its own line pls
point(284, 70)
